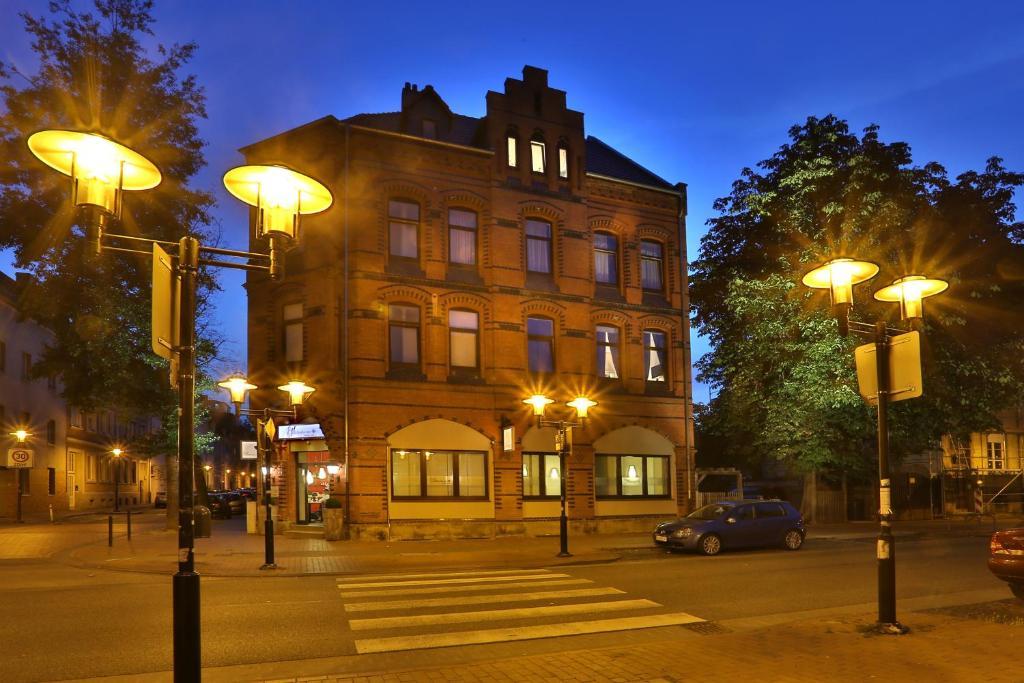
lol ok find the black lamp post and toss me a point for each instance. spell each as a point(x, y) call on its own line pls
point(101, 171)
point(581, 404)
point(21, 436)
point(838, 276)
point(116, 454)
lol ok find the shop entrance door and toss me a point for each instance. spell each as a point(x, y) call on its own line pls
point(311, 488)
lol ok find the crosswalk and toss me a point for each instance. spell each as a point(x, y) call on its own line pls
point(397, 612)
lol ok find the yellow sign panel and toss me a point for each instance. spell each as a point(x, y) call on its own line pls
point(270, 429)
point(166, 304)
point(904, 369)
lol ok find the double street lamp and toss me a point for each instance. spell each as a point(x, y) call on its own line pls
point(581, 404)
point(839, 276)
point(237, 387)
point(101, 171)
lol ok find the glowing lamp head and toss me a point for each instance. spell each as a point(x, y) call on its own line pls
point(839, 276)
point(333, 469)
point(116, 452)
point(21, 435)
point(581, 404)
point(538, 402)
point(280, 196)
point(909, 292)
point(237, 386)
point(207, 467)
point(100, 168)
point(297, 391)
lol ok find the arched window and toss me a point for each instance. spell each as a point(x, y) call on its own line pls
point(540, 334)
point(403, 229)
point(464, 342)
point(652, 266)
point(608, 352)
point(538, 154)
point(404, 336)
point(606, 258)
point(538, 246)
point(462, 237)
point(655, 358)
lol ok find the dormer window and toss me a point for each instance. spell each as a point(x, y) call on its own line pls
point(538, 156)
point(430, 129)
point(513, 160)
point(563, 162)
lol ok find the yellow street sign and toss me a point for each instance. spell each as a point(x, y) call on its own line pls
point(904, 369)
point(270, 429)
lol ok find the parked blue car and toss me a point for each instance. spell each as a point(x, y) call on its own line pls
point(734, 524)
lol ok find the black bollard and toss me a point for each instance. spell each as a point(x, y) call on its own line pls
point(110, 531)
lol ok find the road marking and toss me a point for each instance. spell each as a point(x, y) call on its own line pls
point(437, 581)
point(382, 605)
point(501, 635)
point(499, 614)
point(422, 590)
point(436, 575)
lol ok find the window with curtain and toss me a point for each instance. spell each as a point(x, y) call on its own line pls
point(994, 453)
point(651, 266)
point(606, 259)
point(293, 341)
point(404, 335)
point(538, 154)
point(563, 162)
point(462, 237)
point(542, 475)
point(655, 360)
point(540, 334)
point(463, 331)
point(510, 146)
point(538, 246)
point(607, 351)
point(632, 476)
point(421, 473)
point(403, 228)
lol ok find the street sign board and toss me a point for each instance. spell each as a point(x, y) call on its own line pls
point(166, 304)
point(19, 456)
point(904, 369)
point(508, 438)
point(248, 450)
point(270, 429)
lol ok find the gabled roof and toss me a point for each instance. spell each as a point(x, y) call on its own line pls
point(603, 159)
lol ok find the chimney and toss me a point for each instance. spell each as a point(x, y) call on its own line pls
point(409, 95)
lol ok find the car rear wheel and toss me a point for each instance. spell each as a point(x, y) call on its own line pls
point(1018, 590)
point(793, 540)
point(710, 544)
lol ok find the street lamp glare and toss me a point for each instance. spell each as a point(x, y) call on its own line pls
point(21, 435)
point(581, 404)
point(280, 196)
point(909, 292)
point(99, 167)
point(538, 402)
point(237, 386)
point(297, 391)
point(116, 452)
point(839, 276)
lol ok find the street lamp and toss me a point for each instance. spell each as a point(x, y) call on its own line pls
point(115, 453)
point(237, 386)
point(839, 276)
point(209, 478)
point(20, 436)
point(101, 171)
point(581, 404)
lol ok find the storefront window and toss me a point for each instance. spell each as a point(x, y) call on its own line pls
point(438, 474)
point(542, 475)
point(631, 476)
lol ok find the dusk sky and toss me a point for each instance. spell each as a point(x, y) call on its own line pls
point(693, 91)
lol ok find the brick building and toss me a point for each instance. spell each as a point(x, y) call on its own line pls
point(465, 264)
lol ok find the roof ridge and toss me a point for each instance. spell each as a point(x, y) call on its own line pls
point(628, 159)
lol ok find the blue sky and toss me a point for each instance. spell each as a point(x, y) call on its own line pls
point(693, 91)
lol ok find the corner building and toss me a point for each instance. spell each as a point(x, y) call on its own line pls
point(467, 263)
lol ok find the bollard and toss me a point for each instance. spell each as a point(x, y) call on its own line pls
point(51, 513)
point(110, 531)
point(129, 517)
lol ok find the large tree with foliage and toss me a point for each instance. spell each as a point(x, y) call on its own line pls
point(93, 73)
point(786, 387)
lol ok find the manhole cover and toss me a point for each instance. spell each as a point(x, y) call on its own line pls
point(706, 628)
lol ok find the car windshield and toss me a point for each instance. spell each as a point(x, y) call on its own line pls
point(709, 511)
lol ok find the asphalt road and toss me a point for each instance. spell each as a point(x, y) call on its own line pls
point(65, 623)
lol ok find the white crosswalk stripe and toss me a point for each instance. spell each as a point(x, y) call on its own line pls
point(426, 602)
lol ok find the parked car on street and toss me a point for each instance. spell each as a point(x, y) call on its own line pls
point(1006, 558)
point(220, 508)
point(734, 524)
point(160, 499)
point(233, 499)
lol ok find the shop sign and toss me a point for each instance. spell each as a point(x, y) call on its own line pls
point(248, 450)
point(19, 457)
point(299, 431)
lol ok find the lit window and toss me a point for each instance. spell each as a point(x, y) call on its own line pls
point(293, 341)
point(537, 156)
point(462, 237)
point(654, 356)
point(631, 476)
point(429, 129)
point(607, 351)
point(540, 334)
point(651, 262)
point(606, 259)
point(404, 335)
point(513, 160)
point(403, 228)
point(563, 162)
point(538, 246)
point(995, 452)
point(438, 474)
point(542, 475)
point(463, 329)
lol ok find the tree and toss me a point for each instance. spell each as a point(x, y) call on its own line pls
point(786, 387)
point(95, 74)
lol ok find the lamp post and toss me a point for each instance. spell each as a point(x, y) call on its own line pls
point(116, 456)
point(581, 404)
point(839, 276)
point(237, 386)
point(20, 436)
point(101, 171)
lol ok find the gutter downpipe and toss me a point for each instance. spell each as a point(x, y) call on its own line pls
point(688, 384)
point(344, 344)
